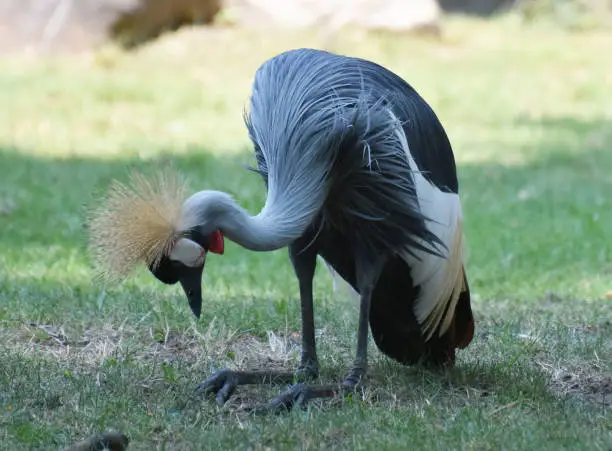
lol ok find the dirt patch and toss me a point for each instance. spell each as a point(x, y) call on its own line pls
point(596, 388)
point(277, 352)
point(93, 345)
point(203, 352)
point(56, 342)
point(586, 382)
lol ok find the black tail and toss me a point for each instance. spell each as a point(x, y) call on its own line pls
point(394, 326)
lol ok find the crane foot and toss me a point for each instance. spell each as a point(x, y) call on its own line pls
point(297, 396)
point(300, 394)
point(223, 383)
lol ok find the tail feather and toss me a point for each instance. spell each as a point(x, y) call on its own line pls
point(464, 319)
point(440, 277)
point(396, 330)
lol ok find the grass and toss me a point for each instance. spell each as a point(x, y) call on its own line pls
point(528, 112)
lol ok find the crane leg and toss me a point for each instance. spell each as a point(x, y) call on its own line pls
point(304, 260)
point(368, 272)
point(224, 382)
point(360, 364)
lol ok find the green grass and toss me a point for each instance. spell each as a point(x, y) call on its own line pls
point(528, 113)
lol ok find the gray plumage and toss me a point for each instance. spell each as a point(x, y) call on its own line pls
point(325, 142)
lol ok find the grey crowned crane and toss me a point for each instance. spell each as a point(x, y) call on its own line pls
point(358, 171)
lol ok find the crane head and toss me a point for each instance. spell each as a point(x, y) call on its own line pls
point(185, 264)
point(142, 221)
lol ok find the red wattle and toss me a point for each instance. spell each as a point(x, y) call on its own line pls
point(217, 245)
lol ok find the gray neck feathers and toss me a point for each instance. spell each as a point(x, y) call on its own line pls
point(301, 110)
point(271, 229)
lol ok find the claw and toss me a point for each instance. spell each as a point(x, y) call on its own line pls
point(296, 396)
point(222, 383)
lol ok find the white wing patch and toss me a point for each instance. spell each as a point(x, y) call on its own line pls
point(440, 279)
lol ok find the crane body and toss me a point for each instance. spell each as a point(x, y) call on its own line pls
point(358, 171)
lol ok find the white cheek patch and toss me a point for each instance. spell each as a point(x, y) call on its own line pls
point(188, 253)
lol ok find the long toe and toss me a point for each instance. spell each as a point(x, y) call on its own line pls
point(222, 384)
point(296, 396)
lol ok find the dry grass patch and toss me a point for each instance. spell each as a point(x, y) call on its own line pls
point(588, 382)
point(95, 344)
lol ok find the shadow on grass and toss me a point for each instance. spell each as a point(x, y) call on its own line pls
point(537, 230)
point(532, 228)
point(45, 268)
point(43, 201)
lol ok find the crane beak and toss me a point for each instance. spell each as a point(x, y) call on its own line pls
point(193, 257)
point(191, 281)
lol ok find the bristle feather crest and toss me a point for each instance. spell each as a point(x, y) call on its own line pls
point(136, 223)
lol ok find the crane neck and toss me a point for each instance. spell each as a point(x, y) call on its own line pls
point(216, 210)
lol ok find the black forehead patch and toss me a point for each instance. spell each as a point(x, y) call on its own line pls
point(167, 271)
